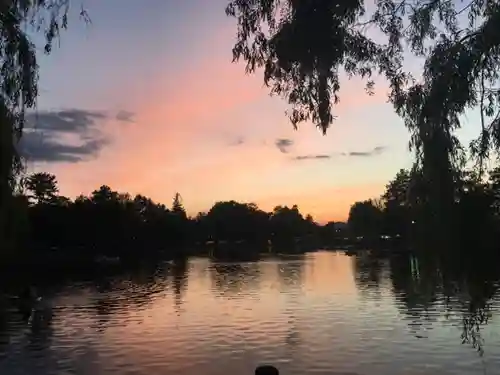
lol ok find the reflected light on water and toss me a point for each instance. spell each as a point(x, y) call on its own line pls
point(321, 313)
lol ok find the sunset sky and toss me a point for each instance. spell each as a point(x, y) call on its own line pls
point(149, 102)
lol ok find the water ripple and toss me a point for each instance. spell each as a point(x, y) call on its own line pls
point(322, 313)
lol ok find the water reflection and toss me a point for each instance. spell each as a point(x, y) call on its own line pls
point(368, 273)
point(322, 312)
point(432, 292)
point(40, 330)
point(178, 278)
point(290, 272)
point(235, 280)
point(414, 288)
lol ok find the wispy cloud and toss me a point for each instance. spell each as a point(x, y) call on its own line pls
point(237, 142)
point(69, 135)
point(373, 152)
point(66, 121)
point(283, 144)
point(125, 116)
point(313, 157)
point(37, 147)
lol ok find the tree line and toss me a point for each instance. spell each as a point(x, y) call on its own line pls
point(116, 224)
point(401, 211)
point(111, 223)
point(302, 48)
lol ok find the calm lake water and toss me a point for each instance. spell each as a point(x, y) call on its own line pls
point(320, 313)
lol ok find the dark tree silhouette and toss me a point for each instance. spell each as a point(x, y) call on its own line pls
point(304, 45)
point(177, 206)
point(287, 225)
point(233, 221)
point(402, 203)
point(19, 87)
point(113, 224)
point(42, 186)
point(475, 212)
point(108, 223)
point(329, 233)
point(365, 220)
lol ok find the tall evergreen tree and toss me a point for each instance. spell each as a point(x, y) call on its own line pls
point(178, 207)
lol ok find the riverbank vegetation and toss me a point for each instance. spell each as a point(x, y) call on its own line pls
point(113, 224)
point(401, 212)
point(21, 20)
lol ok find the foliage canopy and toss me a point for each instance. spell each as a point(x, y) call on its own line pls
point(19, 79)
point(303, 45)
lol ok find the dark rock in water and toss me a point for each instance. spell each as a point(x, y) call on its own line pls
point(266, 370)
